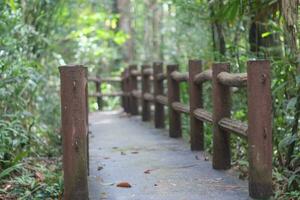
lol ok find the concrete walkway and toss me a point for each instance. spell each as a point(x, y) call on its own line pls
point(156, 166)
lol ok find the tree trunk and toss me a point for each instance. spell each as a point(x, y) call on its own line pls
point(259, 26)
point(124, 24)
point(218, 38)
point(156, 21)
point(289, 11)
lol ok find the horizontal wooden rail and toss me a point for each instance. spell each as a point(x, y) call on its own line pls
point(137, 93)
point(203, 115)
point(106, 79)
point(180, 107)
point(135, 73)
point(180, 76)
point(150, 78)
point(203, 76)
point(148, 71)
point(148, 96)
point(161, 76)
point(233, 80)
point(237, 127)
point(113, 94)
point(162, 99)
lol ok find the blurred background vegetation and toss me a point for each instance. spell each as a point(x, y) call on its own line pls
point(37, 36)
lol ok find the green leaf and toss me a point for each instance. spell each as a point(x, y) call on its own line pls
point(292, 102)
point(7, 171)
point(287, 141)
point(265, 34)
point(11, 3)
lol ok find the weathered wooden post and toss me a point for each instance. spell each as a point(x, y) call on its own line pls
point(173, 96)
point(98, 90)
point(123, 91)
point(259, 129)
point(196, 126)
point(87, 121)
point(127, 89)
point(74, 131)
point(146, 112)
point(221, 109)
point(133, 86)
point(159, 112)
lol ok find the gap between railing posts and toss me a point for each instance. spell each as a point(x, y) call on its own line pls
point(74, 121)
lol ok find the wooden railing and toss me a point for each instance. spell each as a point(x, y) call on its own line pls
point(257, 132)
point(98, 94)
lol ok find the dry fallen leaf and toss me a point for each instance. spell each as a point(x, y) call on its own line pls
point(39, 176)
point(135, 152)
point(7, 187)
point(124, 185)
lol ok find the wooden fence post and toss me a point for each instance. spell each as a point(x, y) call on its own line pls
point(158, 87)
point(221, 109)
point(127, 88)
point(98, 90)
point(173, 95)
point(87, 122)
point(74, 131)
point(123, 91)
point(146, 112)
point(259, 129)
point(196, 126)
point(133, 86)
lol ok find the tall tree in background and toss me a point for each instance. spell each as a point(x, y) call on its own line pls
point(124, 24)
point(260, 35)
point(218, 37)
point(156, 24)
point(289, 10)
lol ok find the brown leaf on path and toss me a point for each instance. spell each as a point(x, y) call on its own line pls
point(134, 152)
point(147, 171)
point(124, 185)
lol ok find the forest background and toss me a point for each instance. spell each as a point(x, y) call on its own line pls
point(37, 36)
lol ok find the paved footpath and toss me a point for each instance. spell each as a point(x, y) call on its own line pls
point(157, 167)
